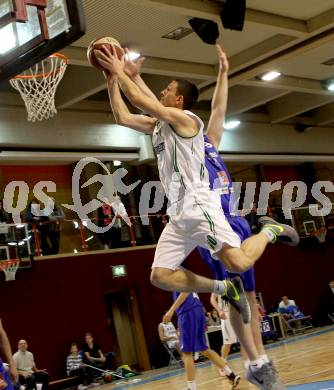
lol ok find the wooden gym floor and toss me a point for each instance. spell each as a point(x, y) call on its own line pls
point(304, 363)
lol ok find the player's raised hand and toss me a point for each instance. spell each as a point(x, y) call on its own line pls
point(110, 61)
point(223, 62)
point(131, 68)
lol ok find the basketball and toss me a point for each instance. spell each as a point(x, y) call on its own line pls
point(107, 378)
point(97, 44)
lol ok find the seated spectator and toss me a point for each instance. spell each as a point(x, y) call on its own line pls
point(92, 352)
point(168, 334)
point(75, 366)
point(29, 375)
point(289, 309)
point(214, 318)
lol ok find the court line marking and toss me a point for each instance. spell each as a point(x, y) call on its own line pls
point(180, 371)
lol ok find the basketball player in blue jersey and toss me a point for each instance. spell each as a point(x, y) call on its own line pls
point(196, 217)
point(259, 366)
point(6, 376)
point(191, 325)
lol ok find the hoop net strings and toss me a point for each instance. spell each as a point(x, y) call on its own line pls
point(9, 268)
point(38, 93)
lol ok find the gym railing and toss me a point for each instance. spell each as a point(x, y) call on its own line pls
point(67, 236)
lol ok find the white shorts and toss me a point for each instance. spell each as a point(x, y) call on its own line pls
point(229, 336)
point(197, 225)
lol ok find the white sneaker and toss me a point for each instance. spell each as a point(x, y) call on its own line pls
point(82, 387)
point(264, 377)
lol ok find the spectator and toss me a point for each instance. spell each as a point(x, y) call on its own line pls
point(105, 216)
point(92, 352)
point(6, 377)
point(53, 233)
point(289, 309)
point(29, 375)
point(252, 219)
point(76, 367)
point(35, 216)
point(326, 307)
point(168, 334)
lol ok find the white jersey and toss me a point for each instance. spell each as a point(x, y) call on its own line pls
point(169, 329)
point(181, 163)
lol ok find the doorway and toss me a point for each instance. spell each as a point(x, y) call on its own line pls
point(127, 329)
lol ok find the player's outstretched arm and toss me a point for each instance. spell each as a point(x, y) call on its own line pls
point(121, 113)
point(219, 101)
point(7, 351)
point(177, 303)
point(181, 122)
point(132, 69)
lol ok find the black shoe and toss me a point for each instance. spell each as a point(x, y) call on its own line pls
point(234, 379)
point(235, 295)
point(283, 233)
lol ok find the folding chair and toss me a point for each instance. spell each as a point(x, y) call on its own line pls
point(304, 322)
point(173, 360)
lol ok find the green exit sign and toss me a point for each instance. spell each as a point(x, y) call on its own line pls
point(118, 270)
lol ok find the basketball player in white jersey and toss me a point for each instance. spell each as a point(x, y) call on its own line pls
point(196, 217)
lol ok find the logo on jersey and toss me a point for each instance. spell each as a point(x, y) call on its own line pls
point(212, 242)
point(159, 148)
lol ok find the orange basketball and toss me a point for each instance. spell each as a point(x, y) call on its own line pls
point(97, 44)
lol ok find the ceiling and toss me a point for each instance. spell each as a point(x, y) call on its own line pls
point(293, 37)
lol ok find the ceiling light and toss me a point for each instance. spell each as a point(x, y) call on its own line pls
point(178, 33)
point(229, 125)
point(270, 76)
point(117, 163)
point(133, 55)
point(329, 85)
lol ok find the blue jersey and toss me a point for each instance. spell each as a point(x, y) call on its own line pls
point(190, 303)
point(4, 375)
point(220, 179)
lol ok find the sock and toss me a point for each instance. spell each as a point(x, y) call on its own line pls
point(265, 358)
point(227, 370)
point(246, 364)
point(269, 233)
point(191, 385)
point(219, 287)
point(256, 363)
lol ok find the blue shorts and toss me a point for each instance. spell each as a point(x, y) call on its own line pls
point(241, 227)
point(192, 327)
point(5, 375)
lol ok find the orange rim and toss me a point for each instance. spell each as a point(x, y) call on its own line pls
point(43, 75)
point(4, 264)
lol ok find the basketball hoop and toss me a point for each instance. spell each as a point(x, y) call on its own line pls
point(320, 234)
point(9, 267)
point(37, 86)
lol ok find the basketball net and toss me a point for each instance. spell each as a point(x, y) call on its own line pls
point(320, 234)
point(37, 86)
point(9, 267)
